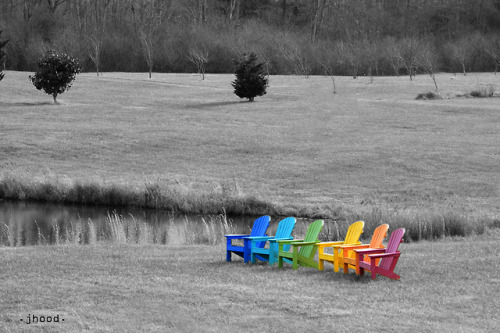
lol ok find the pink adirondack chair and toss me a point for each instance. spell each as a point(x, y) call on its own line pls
point(389, 257)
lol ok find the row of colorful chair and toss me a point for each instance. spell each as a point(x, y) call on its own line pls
point(349, 253)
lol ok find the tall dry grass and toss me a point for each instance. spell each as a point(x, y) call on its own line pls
point(426, 223)
point(150, 195)
point(120, 230)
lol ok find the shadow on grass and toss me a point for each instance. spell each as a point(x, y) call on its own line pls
point(27, 103)
point(213, 104)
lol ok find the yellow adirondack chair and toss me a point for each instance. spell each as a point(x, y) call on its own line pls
point(352, 238)
point(348, 259)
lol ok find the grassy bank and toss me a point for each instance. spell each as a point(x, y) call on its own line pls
point(446, 286)
point(178, 143)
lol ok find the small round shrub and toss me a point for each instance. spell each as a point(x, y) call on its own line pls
point(56, 73)
point(429, 95)
point(483, 91)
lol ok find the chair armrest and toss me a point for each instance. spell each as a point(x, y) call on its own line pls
point(344, 246)
point(262, 238)
point(236, 236)
point(370, 251)
point(325, 244)
point(354, 246)
point(274, 240)
point(303, 243)
point(288, 241)
point(383, 255)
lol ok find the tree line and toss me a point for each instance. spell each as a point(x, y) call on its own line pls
point(307, 37)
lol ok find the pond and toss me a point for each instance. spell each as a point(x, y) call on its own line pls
point(28, 223)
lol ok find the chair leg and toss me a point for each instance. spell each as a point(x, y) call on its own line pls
point(336, 258)
point(271, 255)
point(228, 245)
point(321, 264)
point(295, 263)
point(246, 251)
point(373, 269)
point(280, 258)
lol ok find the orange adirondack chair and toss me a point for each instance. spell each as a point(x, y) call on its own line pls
point(389, 256)
point(352, 238)
point(349, 256)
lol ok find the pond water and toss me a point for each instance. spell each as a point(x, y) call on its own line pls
point(27, 223)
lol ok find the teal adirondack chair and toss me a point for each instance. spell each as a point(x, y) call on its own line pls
point(259, 228)
point(308, 248)
point(284, 232)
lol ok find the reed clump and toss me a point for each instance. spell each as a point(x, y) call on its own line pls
point(426, 224)
point(116, 229)
point(210, 230)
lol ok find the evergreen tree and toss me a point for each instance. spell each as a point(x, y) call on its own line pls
point(2, 56)
point(56, 73)
point(250, 78)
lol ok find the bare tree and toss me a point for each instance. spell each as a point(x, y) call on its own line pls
point(463, 51)
point(371, 56)
point(428, 59)
point(151, 14)
point(317, 18)
point(3, 55)
point(294, 55)
point(491, 45)
point(409, 48)
point(198, 55)
point(28, 8)
point(328, 59)
point(351, 54)
point(96, 17)
point(53, 4)
point(202, 11)
point(392, 53)
point(234, 10)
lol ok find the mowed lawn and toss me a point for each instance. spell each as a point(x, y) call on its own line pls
point(372, 144)
point(451, 285)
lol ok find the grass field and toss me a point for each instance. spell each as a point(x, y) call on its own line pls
point(446, 286)
point(372, 150)
point(371, 145)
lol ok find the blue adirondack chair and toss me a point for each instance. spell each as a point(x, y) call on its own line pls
point(259, 228)
point(284, 232)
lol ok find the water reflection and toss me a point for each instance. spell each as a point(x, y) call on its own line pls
point(23, 223)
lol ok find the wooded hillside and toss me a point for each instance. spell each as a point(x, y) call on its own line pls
point(334, 37)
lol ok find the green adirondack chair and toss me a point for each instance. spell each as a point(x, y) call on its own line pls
point(308, 248)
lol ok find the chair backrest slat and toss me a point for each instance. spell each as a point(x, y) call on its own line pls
point(352, 236)
point(285, 228)
point(376, 243)
point(354, 232)
point(259, 228)
point(392, 247)
point(378, 236)
point(312, 234)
